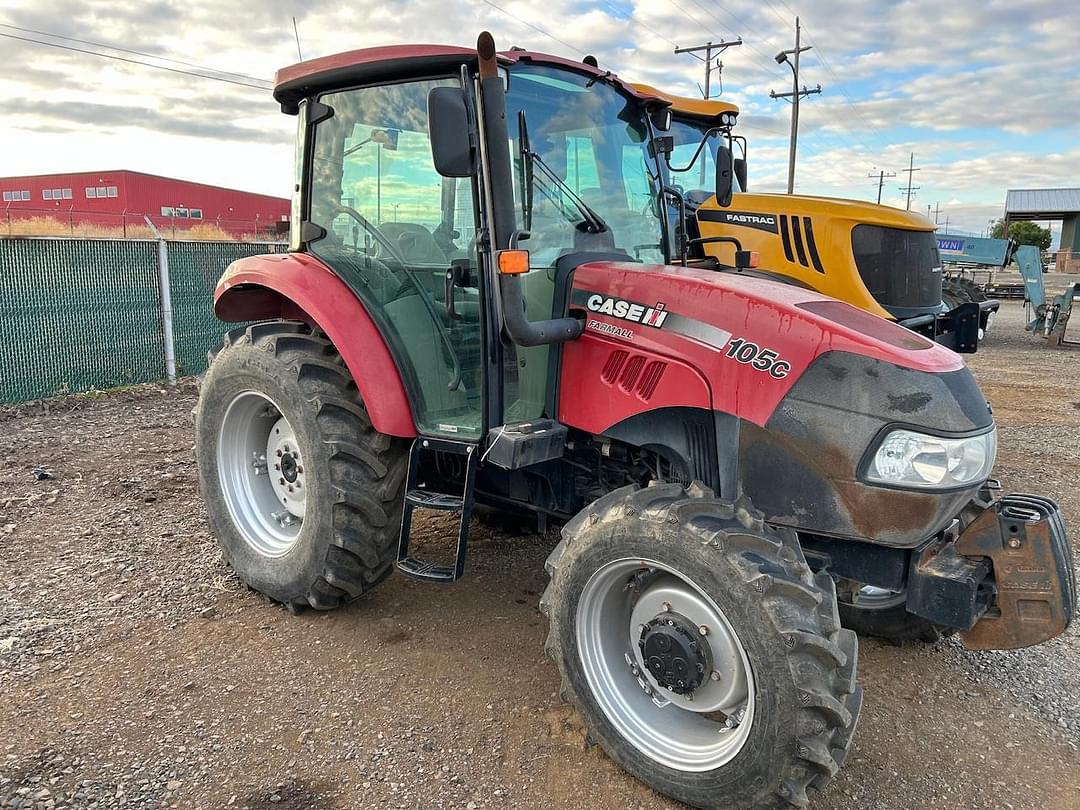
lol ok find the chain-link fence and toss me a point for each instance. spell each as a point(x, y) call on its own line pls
point(84, 314)
point(194, 269)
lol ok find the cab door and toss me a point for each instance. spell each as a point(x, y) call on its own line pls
point(393, 229)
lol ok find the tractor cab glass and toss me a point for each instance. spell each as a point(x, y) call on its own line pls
point(393, 228)
point(583, 181)
point(580, 149)
point(694, 175)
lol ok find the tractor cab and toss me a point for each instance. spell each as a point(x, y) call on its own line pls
point(374, 208)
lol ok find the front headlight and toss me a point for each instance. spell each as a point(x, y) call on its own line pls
point(906, 458)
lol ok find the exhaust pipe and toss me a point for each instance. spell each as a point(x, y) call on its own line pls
point(503, 218)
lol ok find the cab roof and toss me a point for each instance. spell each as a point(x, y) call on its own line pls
point(687, 106)
point(295, 82)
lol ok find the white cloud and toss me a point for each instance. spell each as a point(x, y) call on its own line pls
point(896, 76)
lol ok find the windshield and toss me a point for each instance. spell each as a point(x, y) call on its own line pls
point(581, 141)
point(700, 174)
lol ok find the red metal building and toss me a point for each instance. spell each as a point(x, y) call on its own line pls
point(120, 199)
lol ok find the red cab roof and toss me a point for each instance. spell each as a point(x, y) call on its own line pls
point(386, 61)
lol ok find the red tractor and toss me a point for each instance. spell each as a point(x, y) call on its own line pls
point(725, 453)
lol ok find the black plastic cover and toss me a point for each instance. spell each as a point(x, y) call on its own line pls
point(901, 269)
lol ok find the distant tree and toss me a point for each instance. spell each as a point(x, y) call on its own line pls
point(1024, 233)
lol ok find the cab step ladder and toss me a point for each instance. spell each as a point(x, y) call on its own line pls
point(419, 496)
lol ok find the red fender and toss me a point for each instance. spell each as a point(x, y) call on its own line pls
point(298, 286)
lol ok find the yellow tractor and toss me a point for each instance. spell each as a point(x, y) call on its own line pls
point(880, 259)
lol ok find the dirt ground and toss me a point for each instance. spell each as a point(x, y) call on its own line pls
point(135, 671)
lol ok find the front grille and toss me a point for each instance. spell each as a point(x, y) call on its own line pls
point(900, 268)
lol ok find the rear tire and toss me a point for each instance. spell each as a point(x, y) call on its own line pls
point(332, 535)
point(799, 704)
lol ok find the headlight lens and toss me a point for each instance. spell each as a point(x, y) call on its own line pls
point(906, 458)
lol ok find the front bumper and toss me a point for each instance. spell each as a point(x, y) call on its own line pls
point(960, 328)
point(1006, 581)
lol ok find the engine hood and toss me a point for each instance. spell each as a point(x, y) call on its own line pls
point(751, 338)
point(855, 211)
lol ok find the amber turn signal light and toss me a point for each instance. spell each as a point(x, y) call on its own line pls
point(747, 258)
point(513, 262)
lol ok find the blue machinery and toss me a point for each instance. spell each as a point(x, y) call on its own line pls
point(1048, 317)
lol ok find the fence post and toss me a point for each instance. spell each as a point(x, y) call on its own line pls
point(165, 292)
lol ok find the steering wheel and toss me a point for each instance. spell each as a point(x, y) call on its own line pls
point(425, 297)
point(380, 238)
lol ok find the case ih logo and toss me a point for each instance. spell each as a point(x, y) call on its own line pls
point(628, 311)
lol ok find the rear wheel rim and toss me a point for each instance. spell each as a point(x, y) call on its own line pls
point(262, 474)
point(691, 735)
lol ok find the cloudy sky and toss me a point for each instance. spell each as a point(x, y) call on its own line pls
point(984, 92)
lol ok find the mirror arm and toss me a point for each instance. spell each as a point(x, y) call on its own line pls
point(683, 244)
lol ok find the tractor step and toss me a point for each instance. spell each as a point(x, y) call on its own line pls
point(426, 571)
point(426, 499)
point(419, 495)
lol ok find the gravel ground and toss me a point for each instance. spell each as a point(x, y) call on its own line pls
point(135, 671)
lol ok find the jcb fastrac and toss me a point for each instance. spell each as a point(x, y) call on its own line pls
point(722, 451)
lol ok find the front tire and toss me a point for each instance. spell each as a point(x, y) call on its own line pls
point(302, 493)
point(772, 708)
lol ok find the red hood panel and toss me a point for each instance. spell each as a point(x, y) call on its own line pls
point(750, 338)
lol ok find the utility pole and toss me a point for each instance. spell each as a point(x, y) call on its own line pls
point(910, 170)
point(881, 175)
point(709, 47)
point(794, 95)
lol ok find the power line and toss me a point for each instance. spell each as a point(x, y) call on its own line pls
point(129, 50)
point(794, 95)
point(910, 176)
point(881, 175)
point(135, 62)
point(536, 28)
point(709, 47)
point(640, 24)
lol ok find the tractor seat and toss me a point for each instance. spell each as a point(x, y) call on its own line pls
point(414, 242)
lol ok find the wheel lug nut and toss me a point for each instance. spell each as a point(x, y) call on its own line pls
point(714, 675)
point(290, 488)
point(666, 607)
point(703, 630)
point(281, 480)
point(299, 469)
point(279, 453)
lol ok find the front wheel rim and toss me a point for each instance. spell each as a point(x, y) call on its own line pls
point(263, 478)
point(695, 734)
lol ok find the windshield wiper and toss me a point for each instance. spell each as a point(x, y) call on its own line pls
point(593, 221)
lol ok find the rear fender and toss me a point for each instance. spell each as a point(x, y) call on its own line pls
point(297, 286)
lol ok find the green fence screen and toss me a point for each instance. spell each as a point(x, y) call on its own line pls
point(84, 314)
point(194, 269)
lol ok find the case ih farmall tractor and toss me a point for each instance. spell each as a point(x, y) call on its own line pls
point(721, 450)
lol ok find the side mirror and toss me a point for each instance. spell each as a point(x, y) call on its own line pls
point(452, 147)
point(740, 172)
point(388, 138)
point(725, 176)
point(661, 118)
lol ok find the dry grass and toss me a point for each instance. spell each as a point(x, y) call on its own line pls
point(48, 226)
